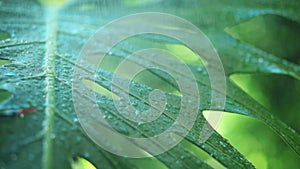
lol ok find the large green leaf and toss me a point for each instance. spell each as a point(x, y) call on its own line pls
point(42, 42)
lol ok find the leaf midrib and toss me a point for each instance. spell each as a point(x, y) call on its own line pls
point(49, 68)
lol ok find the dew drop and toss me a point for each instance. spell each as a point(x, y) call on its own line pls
point(178, 162)
point(199, 69)
point(78, 139)
point(86, 155)
point(10, 74)
point(53, 136)
point(22, 116)
point(75, 120)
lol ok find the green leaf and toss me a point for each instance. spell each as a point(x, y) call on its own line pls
point(264, 28)
point(42, 42)
point(4, 35)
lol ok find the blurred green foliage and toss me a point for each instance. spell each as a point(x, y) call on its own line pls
point(280, 94)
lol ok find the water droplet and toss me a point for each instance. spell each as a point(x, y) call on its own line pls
point(199, 69)
point(9, 74)
point(33, 26)
point(78, 138)
point(86, 155)
point(134, 103)
point(53, 136)
point(178, 162)
point(202, 146)
point(136, 112)
point(75, 120)
point(222, 144)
